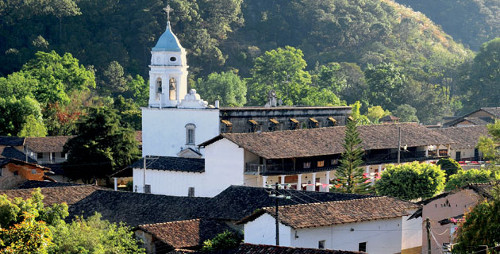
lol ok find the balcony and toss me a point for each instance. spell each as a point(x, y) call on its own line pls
point(405, 156)
point(281, 169)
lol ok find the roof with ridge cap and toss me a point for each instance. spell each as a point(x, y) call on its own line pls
point(337, 212)
point(329, 140)
point(168, 41)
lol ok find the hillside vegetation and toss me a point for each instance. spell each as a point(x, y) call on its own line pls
point(472, 22)
point(377, 52)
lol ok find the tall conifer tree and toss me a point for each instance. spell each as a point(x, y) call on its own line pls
point(349, 175)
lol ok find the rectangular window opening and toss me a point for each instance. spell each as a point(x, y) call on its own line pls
point(362, 247)
point(321, 244)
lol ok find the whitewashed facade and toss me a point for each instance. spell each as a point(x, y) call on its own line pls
point(174, 120)
point(223, 168)
point(396, 235)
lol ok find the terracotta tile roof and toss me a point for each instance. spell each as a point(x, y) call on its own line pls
point(338, 212)
point(43, 184)
point(47, 144)
point(246, 248)
point(328, 141)
point(129, 207)
point(464, 137)
point(495, 111)
point(168, 163)
point(11, 141)
point(237, 202)
point(186, 233)
point(56, 195)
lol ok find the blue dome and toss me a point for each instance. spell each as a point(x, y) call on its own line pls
point(168, 41)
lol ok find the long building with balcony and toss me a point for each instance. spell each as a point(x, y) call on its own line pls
point(301, 159)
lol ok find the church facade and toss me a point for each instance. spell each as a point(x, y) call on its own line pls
point(176, 121)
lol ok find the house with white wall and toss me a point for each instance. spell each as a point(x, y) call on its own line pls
point(304, 159)
point(466, 139)
point(372, 225)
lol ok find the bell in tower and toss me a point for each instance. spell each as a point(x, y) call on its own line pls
point(168, 63)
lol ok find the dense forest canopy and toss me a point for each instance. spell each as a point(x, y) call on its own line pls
point(377, 52)
point(471, 22)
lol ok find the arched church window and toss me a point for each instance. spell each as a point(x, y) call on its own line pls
point(172, 87)
point(190, 134)
point(158, 85)
point(158, 89)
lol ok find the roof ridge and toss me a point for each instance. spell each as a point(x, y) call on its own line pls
point(169, 222)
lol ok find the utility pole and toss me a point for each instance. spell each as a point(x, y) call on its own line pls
point(277, 219)
point(276, 205)
point(399, 144)
point(428, 227)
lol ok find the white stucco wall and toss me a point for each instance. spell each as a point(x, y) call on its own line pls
point(164, 130)
point(173, 183)
point(381, 236)
point(223, 167)
point(412, 232)
point(263, 231)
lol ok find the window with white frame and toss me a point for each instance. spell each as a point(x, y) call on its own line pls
point(190, 134)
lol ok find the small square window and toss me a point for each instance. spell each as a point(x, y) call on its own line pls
point(321, 244)
point(335, 161)
point(147, 189)
point(307, 164)
point(321, 164)
point(362, 247)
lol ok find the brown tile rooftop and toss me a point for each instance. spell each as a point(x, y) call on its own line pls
point(327, 141)
point(246, 248)
point(47, 144)
point(56, 195)
point(464, 137)
point(338, 212)
point(186, 233)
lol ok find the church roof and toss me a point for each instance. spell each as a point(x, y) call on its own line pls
point(168, 163)
point(168, 41)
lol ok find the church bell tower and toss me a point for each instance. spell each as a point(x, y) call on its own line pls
point(168, 70)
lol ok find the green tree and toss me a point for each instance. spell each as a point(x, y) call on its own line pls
point(482, 85)
point(57, 76)
point(406, 113)
point(489, 145)
point(479, 227)
point(227, 87)
point(349, 175)
point(129, 111)
point(21, 117)
point(357, 116)
point(411, 181)
point(100, 147)
point(375, 113)
point(386, 83)
point(464, 177)
point(315, 96)
point(33, 128)
point(449, 165)
point(93, 235)
point(281, 70)
point(223, 241)
point(328, 76)
point(27, 236)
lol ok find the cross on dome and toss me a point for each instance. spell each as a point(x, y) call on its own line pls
point(168, 10)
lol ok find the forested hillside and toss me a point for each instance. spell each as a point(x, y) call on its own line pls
point(310, 52)
point(472, 22)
